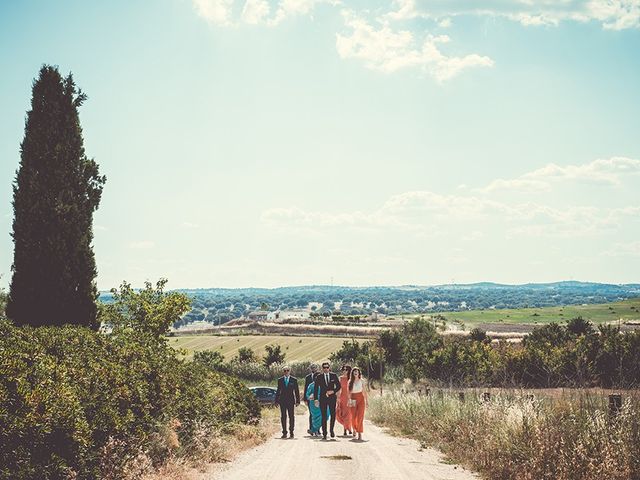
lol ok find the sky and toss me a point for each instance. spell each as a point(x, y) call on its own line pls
point(268, 143)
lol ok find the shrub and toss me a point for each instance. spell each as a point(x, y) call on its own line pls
point(579, 326)
point(273, 355)
point(478, 335)
point(246, 354)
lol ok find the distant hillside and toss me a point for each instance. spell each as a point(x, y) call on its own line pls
point(219, 305)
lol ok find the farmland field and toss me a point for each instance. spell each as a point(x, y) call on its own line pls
point(598, 313)
point(295, 348)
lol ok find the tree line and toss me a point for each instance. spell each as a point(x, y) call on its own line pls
point(219, 306)
point(572, 355)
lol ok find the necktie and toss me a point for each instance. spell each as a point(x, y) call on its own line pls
point(286, 381)
point(326, 379)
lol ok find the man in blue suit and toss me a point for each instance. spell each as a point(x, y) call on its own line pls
point(288, 397)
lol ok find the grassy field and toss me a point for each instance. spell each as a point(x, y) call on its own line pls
point(598, 313)
point(295, 348)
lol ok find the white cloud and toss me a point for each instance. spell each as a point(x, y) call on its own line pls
point(630, 249)
point(190, 225)
point(389, 50)
point(469, 216)
point(430, 214)
point(608, 172)
point(405, 9)
point(536, 20)
point(290, 8)
point(417, 203)
point(297, 219)
point(615, 14)
point(255, 11)
point(142, 245)
point(218, 12)
point(611, 14)
point(387, 43)
point(473, 236)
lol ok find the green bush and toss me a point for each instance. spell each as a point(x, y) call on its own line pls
point(553, 355)
point(67, 394)
point(273, 354)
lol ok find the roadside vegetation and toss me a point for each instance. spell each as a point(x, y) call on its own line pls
point(76, 403)
point(504, 429)
point(515, 436)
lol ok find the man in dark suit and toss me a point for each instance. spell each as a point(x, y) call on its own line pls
point(287, 396)
point(308, 380)
point(327, 385)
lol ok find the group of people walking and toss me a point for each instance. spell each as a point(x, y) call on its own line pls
point(329, 397)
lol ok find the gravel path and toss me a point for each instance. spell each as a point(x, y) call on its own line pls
point(378, 456)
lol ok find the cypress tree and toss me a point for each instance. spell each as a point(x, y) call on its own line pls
point(56, 190)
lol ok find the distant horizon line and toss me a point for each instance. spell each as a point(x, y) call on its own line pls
point(416, 286)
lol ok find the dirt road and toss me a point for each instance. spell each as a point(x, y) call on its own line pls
point(377, 456)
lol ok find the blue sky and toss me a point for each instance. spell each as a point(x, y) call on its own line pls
point(267, 143)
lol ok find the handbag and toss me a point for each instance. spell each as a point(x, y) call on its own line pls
point(351, 402)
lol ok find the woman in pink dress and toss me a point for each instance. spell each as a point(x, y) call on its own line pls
point(343, 412)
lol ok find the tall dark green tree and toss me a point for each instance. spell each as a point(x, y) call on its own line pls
point(56, 190)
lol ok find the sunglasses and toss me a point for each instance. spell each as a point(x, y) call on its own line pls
point(286, 370)
point(325, 366)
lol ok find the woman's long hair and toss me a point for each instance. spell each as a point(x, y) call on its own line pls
point(353, 377)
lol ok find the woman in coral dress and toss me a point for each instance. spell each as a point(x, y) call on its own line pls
point(358, 401)
point(343, 412)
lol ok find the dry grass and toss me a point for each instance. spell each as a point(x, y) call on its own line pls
point(567, 437)
point(244, 327)
point(203, 455)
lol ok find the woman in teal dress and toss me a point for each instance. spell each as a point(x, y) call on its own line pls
point(316, 413)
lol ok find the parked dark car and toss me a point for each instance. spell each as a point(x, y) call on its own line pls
point(264, 395)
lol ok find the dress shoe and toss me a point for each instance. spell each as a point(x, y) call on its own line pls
point(333, 435)
point(324, 437)
point(291, 435)
point(284, 435)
